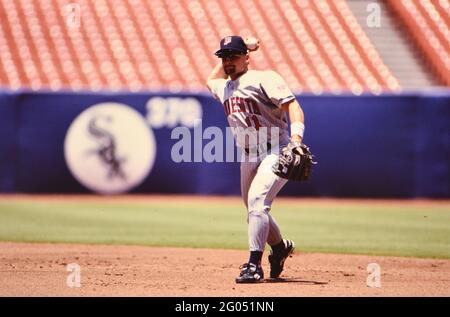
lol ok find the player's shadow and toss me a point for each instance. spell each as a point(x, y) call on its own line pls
point(294, 280)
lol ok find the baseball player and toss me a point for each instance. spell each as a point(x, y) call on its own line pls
point(253, 100)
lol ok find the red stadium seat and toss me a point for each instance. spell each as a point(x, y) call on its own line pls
point(428, 25)
point(318, 46)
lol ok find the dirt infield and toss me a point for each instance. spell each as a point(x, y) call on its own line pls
point(40, 270)
point(34, 269)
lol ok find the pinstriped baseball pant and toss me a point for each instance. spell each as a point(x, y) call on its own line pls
point(259, 187)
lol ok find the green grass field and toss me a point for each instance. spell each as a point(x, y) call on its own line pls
point(363, 228)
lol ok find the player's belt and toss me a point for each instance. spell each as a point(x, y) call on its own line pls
point(258, 150)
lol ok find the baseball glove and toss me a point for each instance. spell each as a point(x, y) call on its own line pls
point(292, 164)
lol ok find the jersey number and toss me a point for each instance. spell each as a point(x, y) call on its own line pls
point(252, 121)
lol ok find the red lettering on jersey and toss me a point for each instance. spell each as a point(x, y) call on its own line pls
point(242, 105)
point(238, 104)
point(252, 121)
point(246, 105)
point(226, 107)
point(233, 105)
point(253, 106)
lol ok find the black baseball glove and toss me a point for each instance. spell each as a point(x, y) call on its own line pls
point(292, 164)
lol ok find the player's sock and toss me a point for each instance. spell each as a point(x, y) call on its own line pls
point(279, 247)
point(255, 257)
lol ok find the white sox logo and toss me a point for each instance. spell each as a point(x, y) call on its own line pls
point(109, 148)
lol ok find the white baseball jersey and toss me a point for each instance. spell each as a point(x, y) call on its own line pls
point(254, 100)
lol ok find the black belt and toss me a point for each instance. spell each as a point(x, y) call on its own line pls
point(269, 146)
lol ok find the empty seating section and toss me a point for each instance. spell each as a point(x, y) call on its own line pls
point(318, 45)
point(369, 66)
point(428, 22)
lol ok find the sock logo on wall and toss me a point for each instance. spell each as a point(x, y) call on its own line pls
point(109, 148)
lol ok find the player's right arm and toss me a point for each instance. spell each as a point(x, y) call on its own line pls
point(216, 73)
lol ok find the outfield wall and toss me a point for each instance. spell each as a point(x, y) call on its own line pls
point(367, 146)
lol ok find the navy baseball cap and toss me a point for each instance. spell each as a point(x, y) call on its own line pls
point(231, 45)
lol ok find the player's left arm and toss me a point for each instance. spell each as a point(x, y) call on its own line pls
point(297, 119)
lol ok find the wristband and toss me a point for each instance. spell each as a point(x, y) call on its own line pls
point(298, 128)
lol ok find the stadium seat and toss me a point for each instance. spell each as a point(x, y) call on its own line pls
point(428, 24)
point(318, 46)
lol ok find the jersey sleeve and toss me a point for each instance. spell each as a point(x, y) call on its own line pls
point(275, 88)
point(217, 88)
